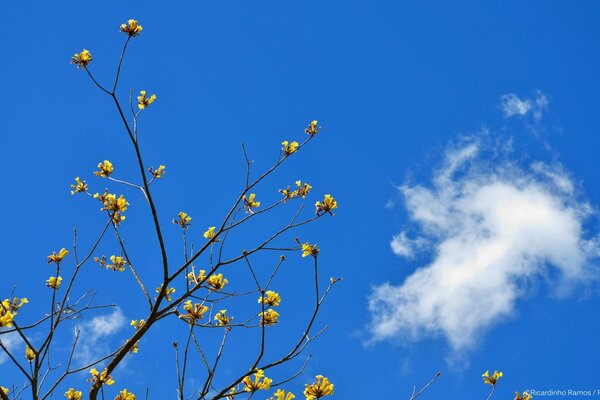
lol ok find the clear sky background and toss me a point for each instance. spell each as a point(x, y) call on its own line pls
point(460, 140)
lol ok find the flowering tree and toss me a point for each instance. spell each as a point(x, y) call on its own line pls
point(187, 295)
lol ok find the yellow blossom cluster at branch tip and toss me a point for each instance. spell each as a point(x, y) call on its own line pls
point(326, 205)
point(321, 388)
point(217, 282)
point(157, 173)
point(144, 101)
point(116, 206)
point(8, 311)
point(73, 394)
point(81, 59)
point(194, 311)
point(168, 293)
point(101, 378)
point(270, 298)
point(79, 186)
point(5, 390)
point(117, 263)
point(269, 317)
point(250, 202)
point(491, 380)
point(210, 233)
point(54, 282)
point(260, 382)
point(196, 279)
point(57, 258)
point(281, 395)
point(105, 169)
point(289, 148)
point(301, 191)
point(125, 395)
point(310, 250)
point(524, 396)
point(132, 28)
point(29, 354)
point(137, 324)
point(183, 220)
point(222, 318)
point(312, 128)
point(231, 395)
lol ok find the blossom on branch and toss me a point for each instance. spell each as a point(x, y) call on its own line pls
point(321, 388)
point(222, 318)
point(326, 205)
point(144, 101)
point(73, 394)
point(105, 169)
point(82, 59)
point(79, 186)
point(57, 258)
point(270, 298)
point(260, 382)
point(132, 28)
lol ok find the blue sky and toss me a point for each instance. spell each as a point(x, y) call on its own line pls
point(400, 90)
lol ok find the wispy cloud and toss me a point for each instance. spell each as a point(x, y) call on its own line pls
point(492, 229)
point(10, 341)
point(512, 105)
point(94, 337)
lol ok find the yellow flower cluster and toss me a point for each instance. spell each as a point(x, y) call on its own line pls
point(168, 293)
point(270, 298)
point(132, 28)
point(524, 396)
point(105, 169)
point(144, 101)
point(321, 388)
point(137, 324)
point(281, 395)
point(157, 173)
point(73, 394)
point(57, 258)
point(8, 311)
point(29, 354)
point(309, 250)
point(82, 59)
point(194, 311)
point(250, 202)
point(326, 205)
point(54, 282)
point(210, 233)
point(124, 394)
point(5, 390)
point(196, 279)
point(491, 380)
point(301, 191)
point(217, 282)
point(79, 186)
point(312, 128)
point(101, 378)
point(183, 220)
point(116, 206)
point(289, 148)
point(260, 382)
point(269, 317)
point(222, 318)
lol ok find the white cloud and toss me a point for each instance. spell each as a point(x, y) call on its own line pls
point(494, 228)
point(10, 341)
point(95, 335)
point(512, 105)
point(404, 246)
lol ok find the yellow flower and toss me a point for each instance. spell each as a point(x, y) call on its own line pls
point(250, 202)
point(137, 324)
point(157, 173)
point(525, 396)
point(222, 318)
point(312, 128)
point(82, 59)
point(73, 394)
point(288, 194)
point(99, 379)
point(491, 380)
point(118, 263)
point(8, 311)
point(309, 250)
point(289, 148)
point(5, 390)
point(327, 205)
point(271, 298)
point(210, 233)
point(231, 395)
point(29, 354)
point(217, 282)
point(321, 388)
point(144, 101)
point(280, 395)
point(57, 258)
point(124, 394)
point(168, 293)
point(183, 220)
point(269, 317)
point(196, 279)
point(132, 28)
point(54, 282)
point(194, 311)
point(260, 382)
point(112, 203)
point(104, 169)
point(79, 186)
point(302, 189)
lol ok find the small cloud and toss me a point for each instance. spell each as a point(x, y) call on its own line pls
point(493, 229)
point(10, 341)
point(94, 336)
point(512, 105)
